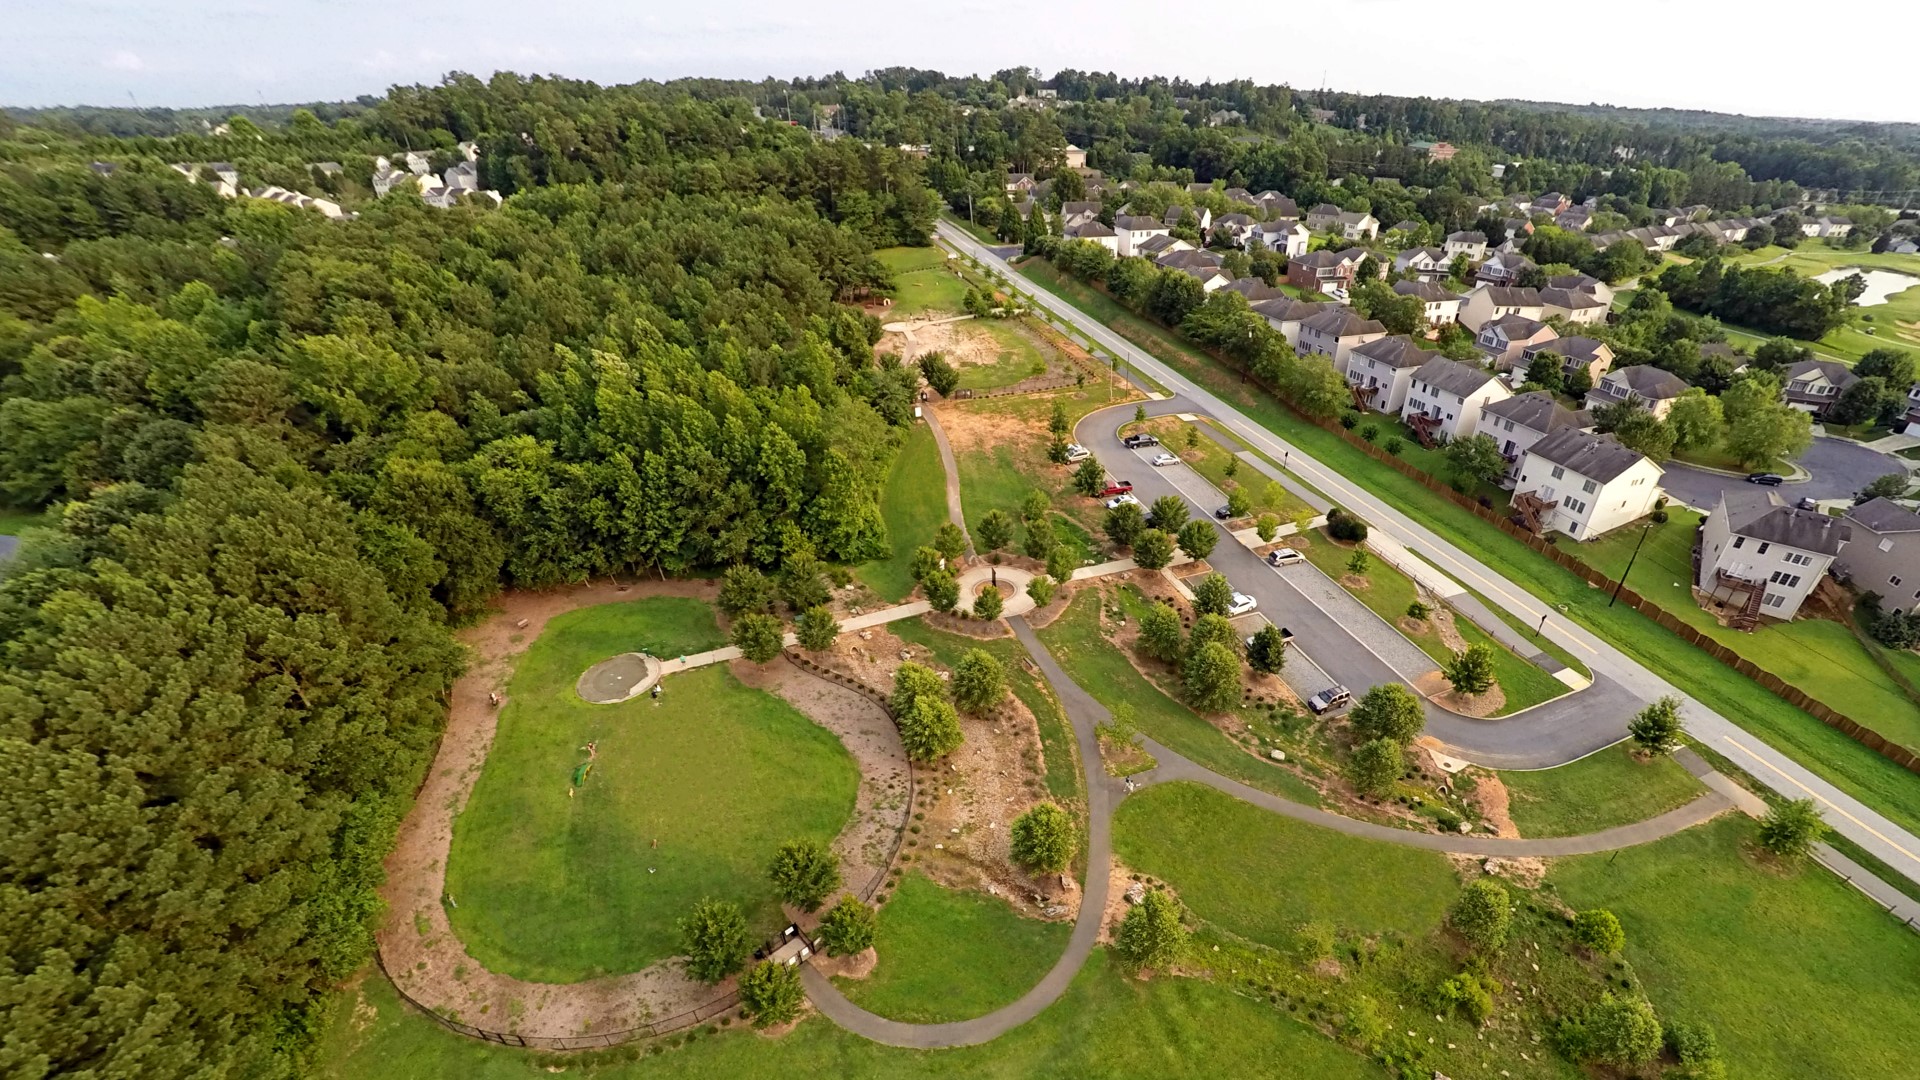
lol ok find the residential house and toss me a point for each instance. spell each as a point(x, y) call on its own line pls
point(1324, 270)
point(1504, 339)
point(1352, 224)
point(295, 199)
point(1019, 183)
point(1285, 314)
point(1884, 554)
point(1583, 485)
point(1444, 398)
point(1551, 204)
point(418, 163)
point(1254, 289)
point(1334, 331)
point(1524, 419)
point(1912, 425)
point(1576, 353)
point(1134, 230)
point(1406, 227)
point(1175, 214)
point(1440, 305)
point(1425, 263)
point(1653, 388)
point(462, 177)
point(1903, 245)
point(1285, 236)
point(1223, 117)
point(1094, 232)
point(1435, 151)
point(1760, 555)
point(1380, 370)
point(1814, 385)
point(1469, 242)
point(1235, 227)
point(1211, 278)
point(1275, 205)
point(1078, 211)
point(471, 150)
point(1827, 226)
point(1574, 306)
point(1075, 157)
point(1585, 283)
point(1490, 302)
point(1153, 247)
point(1242, 196)
point(325, 168)
point(1188, 257)
point(1577, 219)
point(226, 178)
point(1503, 268)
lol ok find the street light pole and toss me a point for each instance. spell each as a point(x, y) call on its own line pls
point(1622, 583)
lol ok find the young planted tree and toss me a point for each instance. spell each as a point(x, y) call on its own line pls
point(1057, 421)
point(1061, 563)
point(714, 935)
point(1198, 538)
point(1212, 676)
point(1238, 505)
point(994, 531)
point(1375, 767)
point(930, 729)
point(817, 628)
point(988, 604)
point(1151, 935)
point(804, 873)
point(1213, 595)
point(744, 589)
point(1792, 828)
point(1152, 549)
point(1168, 513)
point(979, 682)
point(1040, 538)
point(846, 928)
point(1040, 590)
point(913, 681)
point(1267, 652)
point(1358, 562)
point(1471, 670)
point(926, 560)
point(1124, 524)
point(950, 542)
point(1267, 528)
point(1483, 915)
point(1657, 727)
point(939, 374)
point(1035, 505)
point(1160, 634)
point(1547, 372)
point(803, 582)
point(1139, 414)
point(1388, 711)
point(770, 993)
point(1089, 478)
point(1599, 931)
point(758, 637)
point(942, 591)
point(1044, 839)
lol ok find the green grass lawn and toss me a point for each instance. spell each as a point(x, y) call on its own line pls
point(1388, 594)
point(1106, 1025)
point(15, 522)
point(924, 282)
point(1821, 657)
point(1260, 875)
point(1719, 457)
point(1878, 326)
point(558, 889)
point(914, 504)
point(1209, 457)
point(1799, 975)
point(1597, 792)
point(1853, 767)
point(1056, 735)
point(1000, 478)
point(951, 955)
point(1020, 356)
point(1097, 666)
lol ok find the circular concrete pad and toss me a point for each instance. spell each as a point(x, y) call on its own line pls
point(618, 679)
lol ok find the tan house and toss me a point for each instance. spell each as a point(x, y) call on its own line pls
point(1504, 339)
point(1379, 371)
point(1652, 387)
point(1490, 302)
point(1884, 554)
point(1576, 353)
point(1761, 556)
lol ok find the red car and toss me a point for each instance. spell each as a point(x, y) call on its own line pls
point(1118, 487)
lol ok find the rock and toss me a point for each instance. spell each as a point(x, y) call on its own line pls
point(1135, 893)
point(1053, 911)
point(1466, 826)
point(1277, 755)
point(939, 847)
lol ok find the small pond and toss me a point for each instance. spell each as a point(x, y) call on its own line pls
point(1881, 284)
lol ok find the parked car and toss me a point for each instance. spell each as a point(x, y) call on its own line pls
point(1163, 459)
point(1116, 487)
point(1125, 498)
point(1076, 452)
point(1808, 502)
point(1135, 442)
point(1242, 603)
point(1223, 512)
point(1765, 478)
point(1285, 557)
point(1333, 697)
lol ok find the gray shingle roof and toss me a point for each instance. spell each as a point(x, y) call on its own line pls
point(1596, 457)
point(1138, 224)
point(1427, 291)
point(1517, 327)
point(1840, 375)
point(1453, 376)
point(1467, 236)
point(1884, 516)
point(1254, 289)
point(1087, 230)
point(1538, 410)
point(1570, 299)
point(1341, 321)
point(1287, 309)
point(1651, 383)
point(1508, 296)
point(1397, 351)
point(1763, 515)
point(1576, 348)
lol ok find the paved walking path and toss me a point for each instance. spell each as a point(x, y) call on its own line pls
point(1850, 817)
point(955, 513)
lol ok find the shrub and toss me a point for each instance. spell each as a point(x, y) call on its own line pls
point(1659, 517)
point(988, 604)
point(939, 374)
point(1347, 420)
point(911, 682)
point(1388, 711)
point(1599, 931)
point(1483, 915)
point(816, 628)
point(1370, 433)
point(714, 936)
point(1657, 727)
point(1394, 445)
point(1471, 670)
point(804, 873)
point(758, 637)
point(1151, 934)
point(1466, 994)
point(1613, 1031)
point(1792, 828)
point(744, 589)
point(979, 682)
point(1346, 527)
point(770, 993)
point(1043, 839)
point(1418, 610)
point(930, 729)
point(846, 928)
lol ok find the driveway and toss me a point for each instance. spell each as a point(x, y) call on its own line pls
point(1840, 467)
point(1348, 641)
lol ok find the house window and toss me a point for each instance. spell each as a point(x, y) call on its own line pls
point(1763, 548)
point(1798, 559)
point(1886, 544)
point(1739, 542)
point(1781, 577)
point(1588, 487)
point(1558, 472)
point(1776, 600)
point(1894, 581)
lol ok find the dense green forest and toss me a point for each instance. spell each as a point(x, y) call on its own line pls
point(284, 454)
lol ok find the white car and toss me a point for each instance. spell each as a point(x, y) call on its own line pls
point(1123, 499)
point(1242, 603)
point(1162, 460)
point(1285, 557)
point(1076, 452)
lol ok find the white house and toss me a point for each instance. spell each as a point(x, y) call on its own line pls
point(1334, 331)
point(1444, 398)
point(1884, 554)
point(1380, 371)
point(418, 164)
point(1583, 485)
point(1352, 224)
point(1504, 268)
point(1286, 236)
point(1652, 387)
point(1133, 230)
point(1524, 419)
point(1585, 283)
point(1425, 263)
point(1094, 232)
point(1470, 242)
point(1285, 314)
point(1074, 157)
point(1490, 302)
point(1760, 555)
point(1576, 354)
point(1439, 305)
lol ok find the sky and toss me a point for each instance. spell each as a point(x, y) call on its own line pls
point(215, 52)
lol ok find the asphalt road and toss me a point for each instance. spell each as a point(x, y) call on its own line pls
point(1840, 467)
point(1892, 844)
point(7, 546)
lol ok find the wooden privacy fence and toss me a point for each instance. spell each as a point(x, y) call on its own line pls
point(1793, 695)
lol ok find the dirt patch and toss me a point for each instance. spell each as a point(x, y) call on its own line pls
point(1410, 626)
point(972, 430)
point(1525, 871)
point(1477, 705)
point(962, 342)
point(1355, 581)
point(1449, 633)
point(858, 966)
point(1490, 801)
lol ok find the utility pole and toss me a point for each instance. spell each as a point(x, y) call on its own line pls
point(1622, 583)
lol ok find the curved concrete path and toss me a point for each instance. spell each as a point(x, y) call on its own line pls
point(955, 513)
point(1105, 792)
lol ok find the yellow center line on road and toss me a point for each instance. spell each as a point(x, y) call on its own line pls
point(1817, 797)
